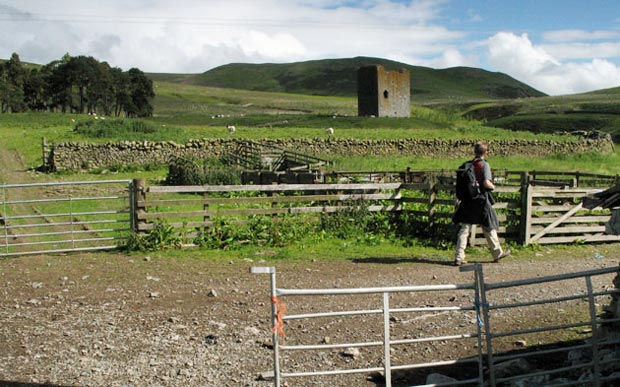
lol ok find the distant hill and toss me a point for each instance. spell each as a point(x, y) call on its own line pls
point(338, 77)
point(597, 110)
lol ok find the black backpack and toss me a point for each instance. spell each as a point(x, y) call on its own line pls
point(467, 186)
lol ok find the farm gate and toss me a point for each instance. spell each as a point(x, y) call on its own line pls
point(575, 340)
point(65, 216)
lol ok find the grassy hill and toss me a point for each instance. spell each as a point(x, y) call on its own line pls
point(593, 111)
point(338, 77)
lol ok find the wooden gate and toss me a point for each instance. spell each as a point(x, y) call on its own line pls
point(556, 215)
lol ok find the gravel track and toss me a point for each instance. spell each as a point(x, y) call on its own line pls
point(110, 319)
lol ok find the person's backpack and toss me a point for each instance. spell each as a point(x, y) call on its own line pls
point(467, 186)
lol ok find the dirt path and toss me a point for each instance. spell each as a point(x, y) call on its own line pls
point(12, 168)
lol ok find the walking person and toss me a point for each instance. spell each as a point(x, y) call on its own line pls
point(477, 208)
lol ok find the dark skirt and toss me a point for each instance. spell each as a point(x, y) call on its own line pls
point(478, 211)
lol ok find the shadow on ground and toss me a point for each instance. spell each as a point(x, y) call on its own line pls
point(438, 260)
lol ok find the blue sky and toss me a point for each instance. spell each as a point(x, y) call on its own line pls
point(556, 46)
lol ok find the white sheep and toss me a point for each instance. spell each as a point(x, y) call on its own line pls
point(329, 131)
point(231, 129)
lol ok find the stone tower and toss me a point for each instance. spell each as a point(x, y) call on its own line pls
point(382, 93)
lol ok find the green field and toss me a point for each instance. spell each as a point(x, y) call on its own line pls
point(183, 112)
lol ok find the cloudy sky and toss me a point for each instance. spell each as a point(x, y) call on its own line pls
point(556, 46)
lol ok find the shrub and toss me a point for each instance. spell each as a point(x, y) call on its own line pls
point(160, 237)
point(182, 171)
point(113, 128)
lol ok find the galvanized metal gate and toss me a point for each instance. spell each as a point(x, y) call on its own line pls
point(499, 338)
point(394, 303)
point(64, 216)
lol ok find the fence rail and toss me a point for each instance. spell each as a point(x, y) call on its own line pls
point(528, 211)
point(589, 362)
point(197, 206)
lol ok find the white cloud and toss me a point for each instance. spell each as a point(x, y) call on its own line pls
point(517, 56)
point(280, 46)
point(450, 57)
point(577, 50)
point(563, 36)
point(160, 36)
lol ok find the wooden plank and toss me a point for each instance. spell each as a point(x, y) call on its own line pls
point(260, 211)
point(565, 193)
point(506, 205)
point(567, 215)
point(581, 238)
point(273, 199)
point(415, 186)
point(272, 187)
point(574, 219)
point(572, 229)
point(526, 217)
point(552, 208)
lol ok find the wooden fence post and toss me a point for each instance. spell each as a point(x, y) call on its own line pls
point(432, 197)
point(526, 209)
point(139, 196)
point(43, 153)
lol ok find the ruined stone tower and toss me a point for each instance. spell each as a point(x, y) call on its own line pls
point(382, 93)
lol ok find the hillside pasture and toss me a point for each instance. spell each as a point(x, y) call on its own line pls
point(598, 111)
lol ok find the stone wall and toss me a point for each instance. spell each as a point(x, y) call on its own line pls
point(84, 156)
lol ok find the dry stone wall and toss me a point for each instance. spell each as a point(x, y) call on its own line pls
point(85, 156)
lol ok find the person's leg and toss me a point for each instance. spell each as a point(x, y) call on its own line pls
point(493, 243)
point(461, 243)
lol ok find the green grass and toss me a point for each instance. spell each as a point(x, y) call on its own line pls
point(599, 110)
point(184, 112)
point(181, 102)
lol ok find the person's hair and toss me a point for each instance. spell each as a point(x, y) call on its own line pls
point(480, 148)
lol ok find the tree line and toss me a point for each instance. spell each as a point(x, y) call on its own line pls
point(79, 84)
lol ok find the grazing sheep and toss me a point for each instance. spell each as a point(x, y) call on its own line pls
point(231, 129)
point(330, 131)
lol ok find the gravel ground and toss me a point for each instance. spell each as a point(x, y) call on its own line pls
point(110, 319)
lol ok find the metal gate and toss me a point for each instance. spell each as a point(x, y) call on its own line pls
point(64, 216)
point(392, 303)
point(590, 360)
point(590, 357)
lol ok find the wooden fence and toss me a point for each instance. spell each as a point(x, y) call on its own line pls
point(533, 207)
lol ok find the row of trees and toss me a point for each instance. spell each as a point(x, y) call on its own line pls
point(78, 84)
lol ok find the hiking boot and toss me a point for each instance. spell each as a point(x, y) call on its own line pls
point(502, 255)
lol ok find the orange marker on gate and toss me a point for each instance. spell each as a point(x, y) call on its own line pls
point(281, 310)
